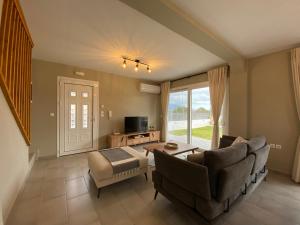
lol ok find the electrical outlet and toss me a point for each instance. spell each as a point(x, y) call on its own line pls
point(278, 146)
point(272, 146)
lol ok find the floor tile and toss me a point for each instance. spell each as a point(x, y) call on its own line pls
point(76, 187)
point(61, 192)
point(81, 210)
point(53, 188)
point(53, 212)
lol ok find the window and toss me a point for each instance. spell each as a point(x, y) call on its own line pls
point(189, 117)
point(72, 116)
point(84, 116)
point(85, 94)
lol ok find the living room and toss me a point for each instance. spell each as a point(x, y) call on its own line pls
point(111, 111)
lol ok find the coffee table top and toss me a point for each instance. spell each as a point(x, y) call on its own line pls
point(182, 147)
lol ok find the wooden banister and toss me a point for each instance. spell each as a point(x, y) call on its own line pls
point(15, 64)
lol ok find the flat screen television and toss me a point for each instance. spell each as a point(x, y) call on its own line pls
point(136, 124)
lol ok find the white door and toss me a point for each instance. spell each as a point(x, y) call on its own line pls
point(78, 117)
point(77, 120)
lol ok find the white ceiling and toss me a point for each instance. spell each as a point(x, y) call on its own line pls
point(253, 27)
point(95, 34)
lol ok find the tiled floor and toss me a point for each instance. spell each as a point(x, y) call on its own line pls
point(60, 192)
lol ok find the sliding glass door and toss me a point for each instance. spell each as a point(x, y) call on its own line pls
point(178, 116)
point(189, 118)
point(201, 126)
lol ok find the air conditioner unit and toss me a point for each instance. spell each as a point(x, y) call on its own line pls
point(148, 88)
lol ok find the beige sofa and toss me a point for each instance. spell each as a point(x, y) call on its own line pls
point(101, 169)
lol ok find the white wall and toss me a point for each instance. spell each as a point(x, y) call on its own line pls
point(13, 158)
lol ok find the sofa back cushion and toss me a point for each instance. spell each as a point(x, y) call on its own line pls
point(256, 143)
point(232, 178)
point(226, 141)
point(215, 160)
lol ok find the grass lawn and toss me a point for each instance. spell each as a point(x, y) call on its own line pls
point(201, 132)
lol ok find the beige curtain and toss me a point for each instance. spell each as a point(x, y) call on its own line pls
point(165, 90)
point(295, 61)
point(217, 83)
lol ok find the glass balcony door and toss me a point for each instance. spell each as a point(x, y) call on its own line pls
point(178, 116)
point(201, 120)
point(189, 117)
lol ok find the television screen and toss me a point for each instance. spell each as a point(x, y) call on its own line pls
point(136, 124)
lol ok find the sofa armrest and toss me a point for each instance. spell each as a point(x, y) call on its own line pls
point(189, 176)
point(261, 157)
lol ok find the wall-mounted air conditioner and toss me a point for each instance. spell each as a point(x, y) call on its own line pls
point(148, 88)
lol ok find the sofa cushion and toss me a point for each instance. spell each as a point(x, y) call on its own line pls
point(215, 160)
point(226, 141)
point(239, 139)
point(196, 158)
point(232, 178)
point(256, 143)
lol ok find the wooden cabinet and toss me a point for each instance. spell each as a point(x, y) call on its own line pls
point(120, 140)
point(154, 135)
point(117, 140)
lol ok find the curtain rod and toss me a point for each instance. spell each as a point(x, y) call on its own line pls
point(187, 77)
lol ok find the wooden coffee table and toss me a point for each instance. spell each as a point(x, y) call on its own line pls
point(182, 148)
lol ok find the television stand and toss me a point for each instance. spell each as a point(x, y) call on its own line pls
point(120, 140)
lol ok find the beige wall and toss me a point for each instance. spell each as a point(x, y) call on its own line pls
point(238, 98)
point(272, 109)
point(117, 93)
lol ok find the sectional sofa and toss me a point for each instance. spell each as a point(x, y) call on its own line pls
point(209, 182)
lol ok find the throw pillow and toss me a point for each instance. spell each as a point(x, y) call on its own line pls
point(239, 139)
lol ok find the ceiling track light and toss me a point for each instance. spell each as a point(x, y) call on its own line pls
point(124, 64)
point(137, 64)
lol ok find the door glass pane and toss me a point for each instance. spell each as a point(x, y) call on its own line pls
point(84, 116)
point(73, 116)
point(73, 93)
point(201, 124)
point(178, 116)
point(85, 94)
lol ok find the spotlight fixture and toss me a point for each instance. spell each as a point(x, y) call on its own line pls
point(137, 64)
point(148, 69)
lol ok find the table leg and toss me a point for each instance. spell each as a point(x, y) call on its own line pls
point(193, 151)
point(147, 152)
